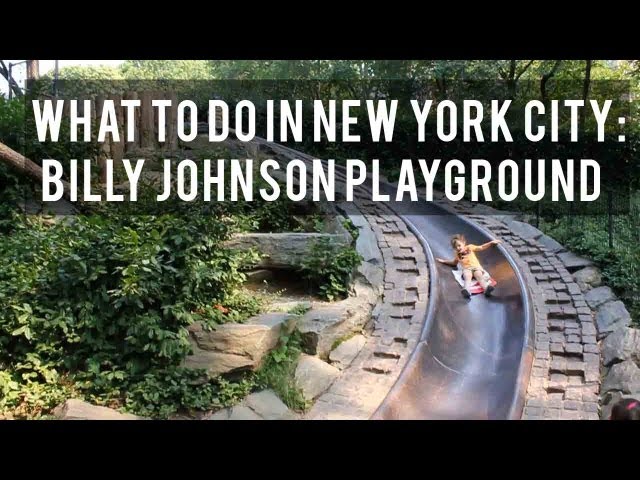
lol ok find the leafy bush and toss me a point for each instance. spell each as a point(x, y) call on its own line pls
point(329, 268)
point(105, 300)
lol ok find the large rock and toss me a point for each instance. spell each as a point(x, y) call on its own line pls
point(313, 376)
point(610, 317)
point(264, 405)
point(267, 404)
point(235, 347)
point(372, 267)
point(524, 230)
point(573, 262)
point(321, 327)
point(480, 209)
point(623, 377)
point(588, 278)
point(74, 409)
point(342, 356)
point(222, 414)
point(621, 345)
point(241, 412)
point(598, 296)
point(551, 244)
point(367, 242)
point(373, 274)
point(284, 250)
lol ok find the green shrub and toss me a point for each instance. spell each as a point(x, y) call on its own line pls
point(329, 268)
point(106, 300)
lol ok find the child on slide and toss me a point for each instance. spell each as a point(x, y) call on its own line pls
point(471, 267)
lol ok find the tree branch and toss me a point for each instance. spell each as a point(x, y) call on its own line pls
point(524, 69)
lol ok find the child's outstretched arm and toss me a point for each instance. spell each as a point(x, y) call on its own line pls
point(451, 263)
point(488, 244)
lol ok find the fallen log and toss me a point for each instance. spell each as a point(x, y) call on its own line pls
point(25, 166)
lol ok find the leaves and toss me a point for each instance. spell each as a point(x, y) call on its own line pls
point(329, 268)
point(106, 300)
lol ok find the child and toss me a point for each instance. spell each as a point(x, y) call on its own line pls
point(471, 268)
point(627, 409)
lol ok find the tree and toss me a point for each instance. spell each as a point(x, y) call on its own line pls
point(13, 85)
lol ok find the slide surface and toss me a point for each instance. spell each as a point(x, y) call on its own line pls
point(475, 355)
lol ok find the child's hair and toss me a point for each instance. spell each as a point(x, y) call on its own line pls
point(626, 409)
point(457, 238)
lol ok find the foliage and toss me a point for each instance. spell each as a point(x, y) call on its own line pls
point(278, 372)
point(300, 309)
point(620, 265)
point(106, 299)
point(351, 228)
point(329, 268)
point(165, 393)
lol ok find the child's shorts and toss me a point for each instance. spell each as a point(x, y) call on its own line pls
point(473, 270)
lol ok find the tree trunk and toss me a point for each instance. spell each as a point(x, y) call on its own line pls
point(25, 166)
point(545, 78)
point(585, 93)
point(33, 70)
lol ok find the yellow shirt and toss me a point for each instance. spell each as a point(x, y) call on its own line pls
point(467, 258)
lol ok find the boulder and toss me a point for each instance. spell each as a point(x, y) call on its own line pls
point(284, 250)
point(264, 405)
point(268, 406)
point(621, 345)
point(241, 412)
point(223, 414)
point(598, 296)
point(234, 347)
point(610, 317)
point(373, 274)
point(622, 377)
point(372, 266)
point(573, 262)
point(75, 409)
point(342, 356)
point(480, 209)
point(551, 244)
point(524, 230)
point(321, 327)
point(313, 376)
point(588, 278)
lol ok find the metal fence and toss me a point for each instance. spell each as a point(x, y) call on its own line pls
point(614, 219)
